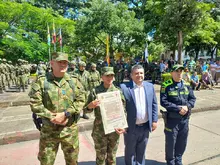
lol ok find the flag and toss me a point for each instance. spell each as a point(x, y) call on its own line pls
point(146, 54)
point(60, 40)
point(48, 35)
point(54, 34)
point(107, 50)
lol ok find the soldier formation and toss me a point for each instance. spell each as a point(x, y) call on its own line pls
point(14, 75)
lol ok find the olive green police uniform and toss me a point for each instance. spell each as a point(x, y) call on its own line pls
point(58, 96)
point(105, 145)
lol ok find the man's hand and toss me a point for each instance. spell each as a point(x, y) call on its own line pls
point(154, 126)
point(93, 104)
point(120, 130)
point(184, 110)
point(59, 118)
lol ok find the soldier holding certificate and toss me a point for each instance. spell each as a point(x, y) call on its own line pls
point(106, 145)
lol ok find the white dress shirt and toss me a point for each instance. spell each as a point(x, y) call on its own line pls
point(140, 99)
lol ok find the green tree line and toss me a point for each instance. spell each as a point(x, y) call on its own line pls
point(190, 25)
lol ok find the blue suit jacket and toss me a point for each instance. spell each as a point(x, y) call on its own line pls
point(151, 104)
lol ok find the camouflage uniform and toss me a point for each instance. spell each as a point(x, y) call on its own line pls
point(7, 74)
point(105, 145)
point(4, 70)
point(94, 79)
point(41, 69)
point(84, 77)
point(20, 73)
point(58, 98)
point(1, 76)
point(71, 70)
point(12, 72)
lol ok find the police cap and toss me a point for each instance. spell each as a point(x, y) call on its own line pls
point(176, 67)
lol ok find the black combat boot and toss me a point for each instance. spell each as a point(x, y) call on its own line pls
point(85, 116)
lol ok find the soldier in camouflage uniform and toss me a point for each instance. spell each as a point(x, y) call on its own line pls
point(84, 76)
point(1, 76)
point(20, 73)
point(7, 73)
point(41, 68)
point(12, 73)
point(105, 145)
point(94, 79)
point(72, 67)
point(59, 106)
point(4, 70)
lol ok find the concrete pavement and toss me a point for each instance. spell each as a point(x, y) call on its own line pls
point(16, 123)
point(203, 146)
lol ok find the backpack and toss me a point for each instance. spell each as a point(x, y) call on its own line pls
point(38, 120)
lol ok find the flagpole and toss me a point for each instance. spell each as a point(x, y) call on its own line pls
point(107, 50)
point(48, 41)
point(61, 41)
point(54, 37)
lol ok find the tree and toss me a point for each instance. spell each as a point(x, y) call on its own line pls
point(23, 31)
point(180, 18)
point(104, 18)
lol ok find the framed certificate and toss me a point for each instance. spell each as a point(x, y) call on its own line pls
point(112, 111)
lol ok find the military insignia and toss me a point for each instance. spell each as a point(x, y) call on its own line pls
point(63, 92)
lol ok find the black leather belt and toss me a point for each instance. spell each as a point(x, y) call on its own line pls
point(141, 125)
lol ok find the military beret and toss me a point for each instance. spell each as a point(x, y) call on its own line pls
point(82, 63)
point(107, 71)
point(59, 56)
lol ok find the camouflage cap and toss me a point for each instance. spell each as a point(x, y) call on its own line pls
point(4, 60)
point(93, 64)
point(82, 63)
point(107, 71)
point(176, 67)
point(9, 62)
point(59, 56)
point(73, 62)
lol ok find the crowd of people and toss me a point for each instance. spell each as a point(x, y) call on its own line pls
point(59, 95)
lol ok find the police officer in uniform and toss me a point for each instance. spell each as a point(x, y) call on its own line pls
point(58, 103)
point(177, 97)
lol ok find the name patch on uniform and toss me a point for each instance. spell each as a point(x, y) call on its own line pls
point(163, 89)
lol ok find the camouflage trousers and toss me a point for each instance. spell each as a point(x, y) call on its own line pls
point(21, 82)
point(106, 147)
point(51, 137)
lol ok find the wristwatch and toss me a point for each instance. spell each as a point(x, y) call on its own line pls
point(67, 114)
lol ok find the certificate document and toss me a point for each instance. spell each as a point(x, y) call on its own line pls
point(112, 111)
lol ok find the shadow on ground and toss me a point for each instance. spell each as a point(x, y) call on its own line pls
point(120, 161)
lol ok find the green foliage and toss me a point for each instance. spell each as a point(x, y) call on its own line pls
point(23, 31)
point(105, 18)
point(155, 50)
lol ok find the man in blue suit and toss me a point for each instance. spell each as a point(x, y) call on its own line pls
point(142, 115)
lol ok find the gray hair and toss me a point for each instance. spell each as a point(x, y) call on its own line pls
point(137, 66)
